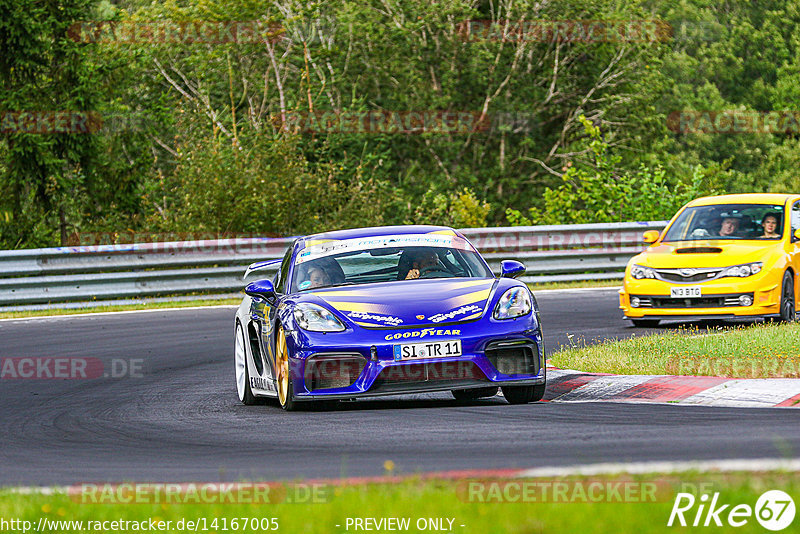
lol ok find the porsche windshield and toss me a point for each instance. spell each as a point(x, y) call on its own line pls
point(385, 259)
point(728, 221)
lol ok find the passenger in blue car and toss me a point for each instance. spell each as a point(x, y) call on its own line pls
point(425, 264)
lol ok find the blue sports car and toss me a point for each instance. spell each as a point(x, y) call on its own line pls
point(386, 311)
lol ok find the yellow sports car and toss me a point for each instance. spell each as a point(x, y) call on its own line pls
point(719, 257)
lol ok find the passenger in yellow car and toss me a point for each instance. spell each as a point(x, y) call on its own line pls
point(770, 224)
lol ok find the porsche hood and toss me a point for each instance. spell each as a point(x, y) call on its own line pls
point(410, 303)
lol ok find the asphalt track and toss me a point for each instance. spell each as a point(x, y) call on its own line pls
point(181, 421)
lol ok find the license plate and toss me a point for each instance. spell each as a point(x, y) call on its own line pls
point(689, 292)
point(433, 349)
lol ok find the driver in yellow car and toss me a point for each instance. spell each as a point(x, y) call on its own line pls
point(729, 226)
point(423, 260)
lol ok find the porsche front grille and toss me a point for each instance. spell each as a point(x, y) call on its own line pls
point(332, 371)
point(411, 376)
point(514, 358)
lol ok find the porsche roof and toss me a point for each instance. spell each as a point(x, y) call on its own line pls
point(355, 233)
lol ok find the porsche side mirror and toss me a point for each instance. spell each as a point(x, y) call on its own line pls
point(511, 269)
point(796, 235)
point(650, 236)
point(262, 289)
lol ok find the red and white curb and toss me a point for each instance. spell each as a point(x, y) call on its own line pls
point(575, 386)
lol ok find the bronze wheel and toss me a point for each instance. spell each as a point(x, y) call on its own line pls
point(283, 379)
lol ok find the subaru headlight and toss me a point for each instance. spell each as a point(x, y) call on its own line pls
point(747, 269)
point(640, 271)
point(315, 318)
point(515, 302)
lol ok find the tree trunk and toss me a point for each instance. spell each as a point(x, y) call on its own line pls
point(62, 224)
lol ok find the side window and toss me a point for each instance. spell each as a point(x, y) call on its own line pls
point(283, 271)
point(795, 218)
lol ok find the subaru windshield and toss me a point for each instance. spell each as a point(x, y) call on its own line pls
point(728, 221)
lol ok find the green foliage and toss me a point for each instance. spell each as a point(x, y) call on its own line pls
point(598, 193)
point(44, 175)
point(459, 209)
point(263, 186)
point(201, 141)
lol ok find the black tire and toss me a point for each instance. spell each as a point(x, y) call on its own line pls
point(474, 394)
point(538, 392)
point(645, 323)
point(246, 395)
point(290, 405)
point(787, 298)
point(520, 394)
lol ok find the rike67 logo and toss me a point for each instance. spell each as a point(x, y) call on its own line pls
point(774, 510)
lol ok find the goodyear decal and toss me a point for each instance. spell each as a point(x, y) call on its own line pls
point(423, 333)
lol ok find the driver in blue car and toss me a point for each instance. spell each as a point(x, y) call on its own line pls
point(318, 277)
point(425, 259)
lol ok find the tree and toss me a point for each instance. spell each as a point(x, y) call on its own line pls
point(48, 96)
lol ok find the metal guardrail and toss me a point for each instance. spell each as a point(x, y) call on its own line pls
point(103, 272)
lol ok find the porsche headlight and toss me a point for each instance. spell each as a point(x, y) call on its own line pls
point(640, 271)
point(515, 302)
point(742, 271)
point(315, 318)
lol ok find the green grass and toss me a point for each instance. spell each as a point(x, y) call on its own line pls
point(644, 512)
point(758, 351)
point(124, 307)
